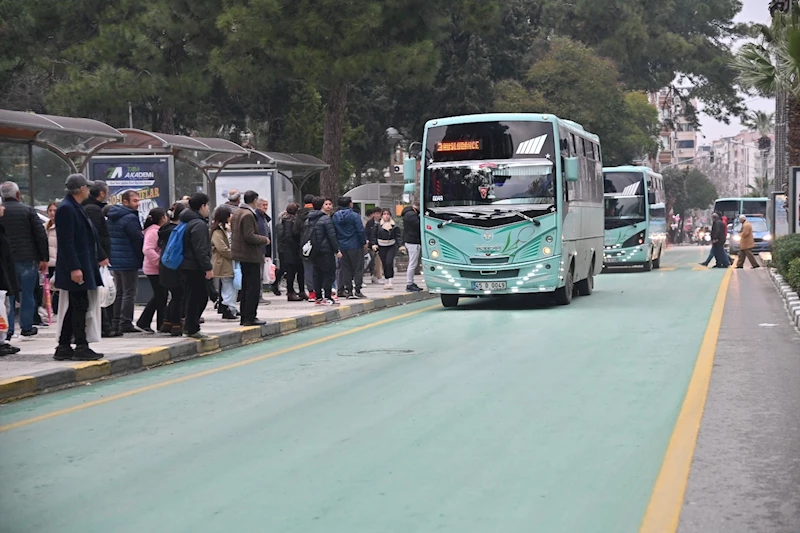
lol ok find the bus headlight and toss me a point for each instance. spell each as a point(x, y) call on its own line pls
point(435, 254)
point(547, 250)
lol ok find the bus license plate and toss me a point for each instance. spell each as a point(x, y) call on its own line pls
point(611, 260)
point(489, 285)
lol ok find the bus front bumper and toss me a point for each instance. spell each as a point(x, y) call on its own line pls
point(626, 256)
point(471, 281)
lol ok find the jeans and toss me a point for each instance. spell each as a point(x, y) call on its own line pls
point(27, 275)
point(127, 283)
point(227, 293)
point(74, 325)
point(308, 272)
point(723, 261)
point(414, 252)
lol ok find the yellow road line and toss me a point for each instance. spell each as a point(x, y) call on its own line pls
point(667, 269)
point(134, 392)
point(666, 501)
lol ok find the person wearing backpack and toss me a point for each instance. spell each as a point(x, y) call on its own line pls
point(247, 247)
point(169, 278)
point(321, 245)
point(195, 268)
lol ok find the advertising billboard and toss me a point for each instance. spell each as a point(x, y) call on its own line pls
point(151, 176)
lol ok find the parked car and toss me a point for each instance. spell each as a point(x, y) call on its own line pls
point(761, 234)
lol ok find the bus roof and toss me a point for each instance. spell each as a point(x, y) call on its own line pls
point(630, 168)
point(509, 117)
point(740, 199)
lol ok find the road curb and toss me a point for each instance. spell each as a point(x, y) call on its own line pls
point(120, 364)
point(791, 298)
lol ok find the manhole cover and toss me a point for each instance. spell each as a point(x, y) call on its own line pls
point(376, 352)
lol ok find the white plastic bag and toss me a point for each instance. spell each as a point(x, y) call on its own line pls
point(94, 324)
point(108, 292)
point(269, 271)
point(237, 276)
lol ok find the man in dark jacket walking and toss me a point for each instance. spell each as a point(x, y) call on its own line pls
point(413, 243)
point(127, 256)
point(247, 247)
point(30, 251)
point(325, 249)
point(77, 269)
point(196, 266)
point(718, 237)
point(93, 206)
point(352, 244)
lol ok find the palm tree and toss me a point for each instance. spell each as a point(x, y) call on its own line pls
point(761, 122)
point(761, 189)
point(772, 66)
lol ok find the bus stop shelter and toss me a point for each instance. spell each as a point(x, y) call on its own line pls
point(39, 151)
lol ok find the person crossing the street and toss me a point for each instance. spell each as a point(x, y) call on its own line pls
point(746, 244)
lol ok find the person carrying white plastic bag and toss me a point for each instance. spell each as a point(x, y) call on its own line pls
point(77, 275)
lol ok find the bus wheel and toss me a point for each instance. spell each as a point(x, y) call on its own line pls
point(449, 300)
point(564, 294)
point(648, 266)
point(586, 286)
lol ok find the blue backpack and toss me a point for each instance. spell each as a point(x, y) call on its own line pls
point(173, 253)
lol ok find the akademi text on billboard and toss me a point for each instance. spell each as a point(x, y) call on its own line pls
point(149, 176)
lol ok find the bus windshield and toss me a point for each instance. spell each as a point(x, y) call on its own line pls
point(624, 210)
point(489, 183)
point(623, 183)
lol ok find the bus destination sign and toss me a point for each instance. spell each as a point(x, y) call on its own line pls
point(458, 146)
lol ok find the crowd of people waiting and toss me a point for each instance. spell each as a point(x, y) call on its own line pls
point(324, 253)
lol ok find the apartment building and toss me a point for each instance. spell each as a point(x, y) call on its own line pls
point(740, 164)
point(678, 135)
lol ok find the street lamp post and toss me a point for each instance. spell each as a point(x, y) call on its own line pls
point(393, 137)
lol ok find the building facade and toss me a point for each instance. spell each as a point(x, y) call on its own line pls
point(678, 135)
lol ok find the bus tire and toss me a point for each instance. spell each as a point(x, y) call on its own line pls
point(657, 261)
point(449, 300)
point(586, 286)
point(648, 266)
point(564, 294)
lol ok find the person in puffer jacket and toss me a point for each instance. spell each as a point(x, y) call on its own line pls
point(127, 257)
point(326, 250)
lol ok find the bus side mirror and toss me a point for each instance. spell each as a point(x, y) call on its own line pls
point(571, 169)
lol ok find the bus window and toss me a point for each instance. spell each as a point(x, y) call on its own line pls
point(752, 207)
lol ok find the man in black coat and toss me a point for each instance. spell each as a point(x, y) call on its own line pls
point(8, 280)
point(196, 266)
point(31, 253)
point(413, 242)
point(94, 206)
point(77, 269)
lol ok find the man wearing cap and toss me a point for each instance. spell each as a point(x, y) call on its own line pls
point(746, 244)
point(77, 269)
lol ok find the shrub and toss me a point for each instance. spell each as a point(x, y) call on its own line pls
point(784, 250)
point(793, 274)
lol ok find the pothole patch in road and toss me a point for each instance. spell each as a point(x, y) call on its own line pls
point(377, 352)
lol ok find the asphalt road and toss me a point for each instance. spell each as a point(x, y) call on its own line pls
point(497, 416)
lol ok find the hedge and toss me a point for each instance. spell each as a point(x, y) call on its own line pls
point(793, 274)
point(784, 251)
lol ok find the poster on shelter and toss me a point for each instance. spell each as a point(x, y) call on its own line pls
point(781, 218)
point(149, 176)
point(796, 201)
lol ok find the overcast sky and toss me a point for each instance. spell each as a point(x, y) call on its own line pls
point(753, 11)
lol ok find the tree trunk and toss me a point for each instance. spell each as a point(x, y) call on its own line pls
point(793, 133)
point(167, 120)
point(332, 139)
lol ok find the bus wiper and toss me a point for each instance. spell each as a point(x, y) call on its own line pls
point(444, 223)
point(518, 213)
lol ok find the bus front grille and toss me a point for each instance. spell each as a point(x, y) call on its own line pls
point(489, 260)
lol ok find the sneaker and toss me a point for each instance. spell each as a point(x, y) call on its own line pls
point(31, 332)
point(312, 296)
point(387, 286)
point(413, 288)
point(331, 302)
point(84, 353)
point(359, 296)
point(64, 353)
point(7, 349)
point(319, 302)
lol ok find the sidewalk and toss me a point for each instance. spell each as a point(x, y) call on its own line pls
point(33, 370)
